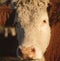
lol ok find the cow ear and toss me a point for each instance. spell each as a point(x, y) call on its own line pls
point(50, 10)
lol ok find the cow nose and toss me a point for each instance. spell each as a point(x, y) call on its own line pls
point(19, 53)
point(27, 53)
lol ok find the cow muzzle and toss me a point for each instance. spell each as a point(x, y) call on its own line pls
point(29, 53)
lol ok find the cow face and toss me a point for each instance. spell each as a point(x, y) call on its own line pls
point(33, 17)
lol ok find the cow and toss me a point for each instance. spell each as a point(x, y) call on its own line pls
point(7, 18)
point(32, 17)
point(2, 1)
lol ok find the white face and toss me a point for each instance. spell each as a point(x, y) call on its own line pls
point(33, 18)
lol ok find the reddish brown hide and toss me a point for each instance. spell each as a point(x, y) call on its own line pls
point(5, 11)
point(53, 52)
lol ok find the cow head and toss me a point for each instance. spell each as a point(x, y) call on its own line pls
point(33, 18)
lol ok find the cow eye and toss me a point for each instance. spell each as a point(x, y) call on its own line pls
point(44, 21)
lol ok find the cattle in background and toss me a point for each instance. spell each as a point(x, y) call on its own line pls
point(33, 18)
point(7, 18)
point(2, 1)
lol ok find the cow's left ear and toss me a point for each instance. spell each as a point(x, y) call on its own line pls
point(50, 10)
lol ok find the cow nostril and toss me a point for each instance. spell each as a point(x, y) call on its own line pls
point(19, 52)
point(33, 50)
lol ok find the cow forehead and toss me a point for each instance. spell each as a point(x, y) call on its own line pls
point(31, 1)
point(32, 11)
point(35, 6)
